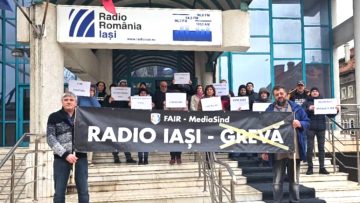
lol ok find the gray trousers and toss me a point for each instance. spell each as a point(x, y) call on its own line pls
point(279, 169)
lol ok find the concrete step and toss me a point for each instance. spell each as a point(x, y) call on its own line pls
point(119, 168)
point(154, 157)
point(303, 169)
point(149, 176)
point(243, 194)
point(342, 199)
point(267, 177)
point(350, 189)
point(101, 186)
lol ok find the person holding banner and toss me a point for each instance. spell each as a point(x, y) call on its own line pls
point(143, 156)
point(110, 102)
point(175, 157)
point(60, 132)
point(289, 162)
point(195, 99)
point(317, 128)
point(89, 102)
point(264, 97)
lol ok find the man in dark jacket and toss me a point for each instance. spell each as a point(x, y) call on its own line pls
point(60, 132)
point(299, 94)
point(285, 161)
point(159, 96)
point(251, 94)
point(317, 128)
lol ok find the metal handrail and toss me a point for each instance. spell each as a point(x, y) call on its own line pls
point(214, 179)
point(14, 168)
point(334, 148)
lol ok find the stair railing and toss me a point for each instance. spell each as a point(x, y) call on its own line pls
point(334, 149)
point(11, 155)
point(211, 169)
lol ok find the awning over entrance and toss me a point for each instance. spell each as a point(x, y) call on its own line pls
point(186, 4)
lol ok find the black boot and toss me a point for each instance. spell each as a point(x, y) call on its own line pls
point(131, 161)
point(309, 171)
point(323, 171)
point(146, 161)
point(140, 161)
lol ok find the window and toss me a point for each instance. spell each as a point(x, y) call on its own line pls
point(287, 72)
point(352, 125)
point(343, 93)
point(318, 75)
point(350, 93)
point(154, 71)
point(248, 68)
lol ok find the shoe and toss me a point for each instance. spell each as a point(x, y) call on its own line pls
point(146, 162)
point(172, 161)
point(117, 160)
point(131, 161)
point(141, 162)
point(309, 171)
point(178, 161)
point(323, 171)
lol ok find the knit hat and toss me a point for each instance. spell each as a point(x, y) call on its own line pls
point(314, 88)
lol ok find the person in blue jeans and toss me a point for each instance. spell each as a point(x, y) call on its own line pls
point(286, 161)
point(60, 131)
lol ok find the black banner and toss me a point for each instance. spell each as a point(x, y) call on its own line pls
point(109, 129)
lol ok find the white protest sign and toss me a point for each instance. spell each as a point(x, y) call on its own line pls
point(80, 88)
point(325, 106)
point(239, 103)
point(211, 104)
point(175, 100)
point(182, 78)
point(121, 93)
point(222, 89)
point(261, 107)
point(141, 102)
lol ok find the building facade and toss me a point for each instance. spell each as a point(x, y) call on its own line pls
point(349, 113)
point(290, 41)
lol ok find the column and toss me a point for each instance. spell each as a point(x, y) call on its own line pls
point(46, 89)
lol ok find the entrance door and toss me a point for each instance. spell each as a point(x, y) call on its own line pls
point(23, 113)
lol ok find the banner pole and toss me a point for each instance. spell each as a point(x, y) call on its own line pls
point(72, 175)
point(294, 154)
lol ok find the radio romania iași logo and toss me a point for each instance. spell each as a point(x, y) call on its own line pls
point(82, 23)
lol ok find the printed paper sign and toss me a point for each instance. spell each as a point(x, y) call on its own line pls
point(141, 102)
point(80, 88)
point(239, 103)
point(121, 93)
point(175, 100)
point(261, 107)
point(182, 78)
point(211, 104)
point(221, 89)
point(325, 106)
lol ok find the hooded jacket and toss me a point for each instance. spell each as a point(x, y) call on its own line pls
point(301, 116)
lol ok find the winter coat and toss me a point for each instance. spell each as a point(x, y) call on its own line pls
point(301, 116)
